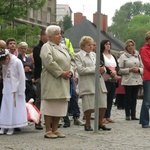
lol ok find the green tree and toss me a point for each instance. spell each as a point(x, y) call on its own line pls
point(137, 28)
point(26, 33)
point(66, 22)
point(124, 15)
point(10, 9)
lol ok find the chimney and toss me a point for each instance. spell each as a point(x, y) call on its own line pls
point(78, 17)
point(104, 22)
point(95, 18)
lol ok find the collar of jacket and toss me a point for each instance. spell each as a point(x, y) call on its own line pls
point(136, 53)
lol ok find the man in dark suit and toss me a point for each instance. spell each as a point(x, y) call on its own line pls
point(37, 72)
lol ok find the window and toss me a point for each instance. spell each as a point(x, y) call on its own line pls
point(39, 14)
point(48, 16)
point(60, 9)
point(31, 13)
point(60, 17)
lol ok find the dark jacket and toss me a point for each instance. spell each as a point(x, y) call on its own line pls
point(37, 60)
point(27, 62)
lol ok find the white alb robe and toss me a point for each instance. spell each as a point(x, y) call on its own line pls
point(13, 110)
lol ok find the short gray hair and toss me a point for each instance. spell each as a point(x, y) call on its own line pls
point(22, 44)
point(51, 29)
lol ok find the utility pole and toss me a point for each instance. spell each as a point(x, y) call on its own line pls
point(97, 72)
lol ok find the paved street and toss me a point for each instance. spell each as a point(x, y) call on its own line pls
point(125, 135)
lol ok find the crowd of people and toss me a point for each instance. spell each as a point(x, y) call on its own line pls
point(52, 73)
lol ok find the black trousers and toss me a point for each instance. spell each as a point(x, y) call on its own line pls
point(120, 101)
point(131, 93)
point(111, 88)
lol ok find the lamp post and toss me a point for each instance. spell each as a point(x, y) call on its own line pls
point(97, 72)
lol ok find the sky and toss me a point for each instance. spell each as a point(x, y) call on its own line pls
point(88, 7)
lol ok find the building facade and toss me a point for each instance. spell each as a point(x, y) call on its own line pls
point(62, 10)
point(42, 17)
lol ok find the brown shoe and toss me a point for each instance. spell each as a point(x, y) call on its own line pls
point(50, 135)
point(59, 134)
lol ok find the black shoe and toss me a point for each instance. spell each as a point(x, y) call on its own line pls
point(66, 125)
point(88, 128)
point(145, 126)
point(38, 127)
point(104, 128)
point(127, 118)
point(59, 125)
point(17, 129)
point(134, 118)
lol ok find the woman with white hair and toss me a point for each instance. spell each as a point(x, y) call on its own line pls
point(55, 81)
point(13, 110)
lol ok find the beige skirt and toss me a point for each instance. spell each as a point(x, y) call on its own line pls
point(88, 101)
point(57, 107)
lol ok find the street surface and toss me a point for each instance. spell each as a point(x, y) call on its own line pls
point(125, 135)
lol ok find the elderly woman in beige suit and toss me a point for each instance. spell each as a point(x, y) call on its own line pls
point(85, 61)
point(55, 81)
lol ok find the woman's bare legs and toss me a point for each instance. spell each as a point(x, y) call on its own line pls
point(87, 115)
point(48, 122)
point(101, 115)
point(55, 121)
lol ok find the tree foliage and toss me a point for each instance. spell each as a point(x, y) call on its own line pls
point(66, 23)
point(137, 28)
point(130, 21)
point(21, 33)
point(10, 9)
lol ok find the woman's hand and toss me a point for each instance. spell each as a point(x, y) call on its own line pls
point(113, 73)
point(134, 69)
point(102, 70)
point(27, 69)
point(66, 75)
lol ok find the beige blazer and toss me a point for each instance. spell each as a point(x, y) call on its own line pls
point(55, 60)
point(86, 71)
point(126, 61)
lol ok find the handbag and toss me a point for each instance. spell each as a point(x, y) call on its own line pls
point(108, 78)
